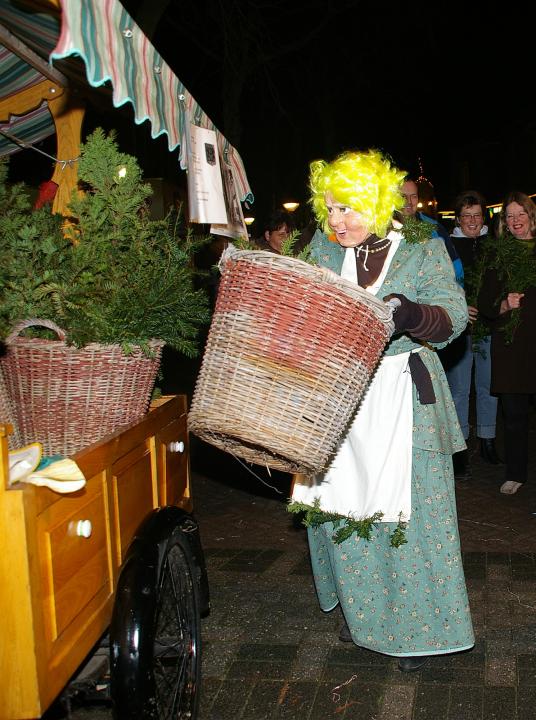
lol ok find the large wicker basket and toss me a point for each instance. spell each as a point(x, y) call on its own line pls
point(67, 397)
point(6, 413)
point(290, 352)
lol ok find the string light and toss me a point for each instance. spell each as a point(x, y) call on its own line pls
point(449, 214)
point(28, 146)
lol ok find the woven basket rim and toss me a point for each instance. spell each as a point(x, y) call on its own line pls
point(310, 272)
point(14, 337)
point(153, 343)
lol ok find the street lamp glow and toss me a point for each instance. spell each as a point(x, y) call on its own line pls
point(249, 220)
point(291, 206)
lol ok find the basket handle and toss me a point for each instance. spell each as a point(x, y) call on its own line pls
point(19, 327)
point(394, 304)
point(228, 253)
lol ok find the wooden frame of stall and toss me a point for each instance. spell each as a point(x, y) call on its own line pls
point(58, 586)
point(66, 108)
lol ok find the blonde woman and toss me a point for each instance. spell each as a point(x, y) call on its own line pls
point(401, 587)
point(508, 300)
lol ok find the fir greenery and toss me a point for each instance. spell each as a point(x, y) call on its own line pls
point(288, 247)
point(514, 261)
point(110, 274)
point(345, 526)
point(416, 231)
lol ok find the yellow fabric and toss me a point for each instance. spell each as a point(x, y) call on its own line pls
point(62, 476)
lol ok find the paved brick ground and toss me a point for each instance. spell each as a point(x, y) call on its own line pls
point(270, 652)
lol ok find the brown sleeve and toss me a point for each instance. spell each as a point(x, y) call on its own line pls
point(434, 324)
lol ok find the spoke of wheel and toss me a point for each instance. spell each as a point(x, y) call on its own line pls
point(174, 646)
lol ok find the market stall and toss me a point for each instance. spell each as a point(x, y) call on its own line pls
point(69, 561)
point(45, 87)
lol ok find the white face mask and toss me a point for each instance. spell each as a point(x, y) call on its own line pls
point(347, 224)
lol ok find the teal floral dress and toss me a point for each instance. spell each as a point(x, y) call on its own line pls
point(410, 600)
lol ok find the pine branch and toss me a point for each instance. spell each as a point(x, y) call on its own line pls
point(345, 526)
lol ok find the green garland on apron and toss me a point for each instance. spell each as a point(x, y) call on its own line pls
point(345, 526)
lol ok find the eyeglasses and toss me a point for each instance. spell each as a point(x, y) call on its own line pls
point(471, 216)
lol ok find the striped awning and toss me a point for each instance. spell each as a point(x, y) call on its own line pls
point(115, 50)
point(28, 129)
point(38, 31)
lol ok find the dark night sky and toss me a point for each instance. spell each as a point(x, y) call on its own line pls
point(290, 81)
point(449, 83)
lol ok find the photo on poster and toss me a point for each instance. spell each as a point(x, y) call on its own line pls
point(210, 153)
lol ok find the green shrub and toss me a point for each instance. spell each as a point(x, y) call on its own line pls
point(110, 274)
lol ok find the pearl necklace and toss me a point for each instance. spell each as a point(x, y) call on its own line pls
point(369, 251)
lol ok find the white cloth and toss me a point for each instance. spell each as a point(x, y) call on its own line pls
point(349, 269)
point(371, 471)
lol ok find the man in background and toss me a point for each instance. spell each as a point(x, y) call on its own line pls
point(410, 193)
point(276, 231)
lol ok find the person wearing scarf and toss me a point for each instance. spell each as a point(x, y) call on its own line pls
point(407, 598)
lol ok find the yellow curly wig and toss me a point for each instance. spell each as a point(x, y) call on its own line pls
point(364, 181)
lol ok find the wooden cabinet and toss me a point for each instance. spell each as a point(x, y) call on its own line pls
point(73, 542)
point(60, 554)
point(172, 454)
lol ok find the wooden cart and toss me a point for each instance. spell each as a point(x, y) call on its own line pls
point(126, 545)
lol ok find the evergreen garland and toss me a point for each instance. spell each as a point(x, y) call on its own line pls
point(288, 248)
point(514, 261)
point(345, 526)
point(416, 231)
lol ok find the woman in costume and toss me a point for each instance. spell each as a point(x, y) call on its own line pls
point(508, 300)
point(402, 591)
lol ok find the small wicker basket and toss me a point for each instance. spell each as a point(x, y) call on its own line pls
point(66, 397)
point(290, 352)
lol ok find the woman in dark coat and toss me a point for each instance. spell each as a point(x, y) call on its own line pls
point(508, 299)
point(460, 358)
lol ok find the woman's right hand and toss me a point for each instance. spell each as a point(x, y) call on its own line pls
point(473, 313)
point(511, 302)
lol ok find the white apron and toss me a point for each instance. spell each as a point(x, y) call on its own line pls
point(371, 471)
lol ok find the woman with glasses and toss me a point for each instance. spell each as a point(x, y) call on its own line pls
point(508, 299)
point(460, 357)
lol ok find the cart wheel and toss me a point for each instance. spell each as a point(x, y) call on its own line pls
point(155, 633)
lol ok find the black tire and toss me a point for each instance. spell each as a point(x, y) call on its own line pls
point(155, 632)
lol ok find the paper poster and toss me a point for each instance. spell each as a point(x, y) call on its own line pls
point(205, 188)
point(235, 227)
